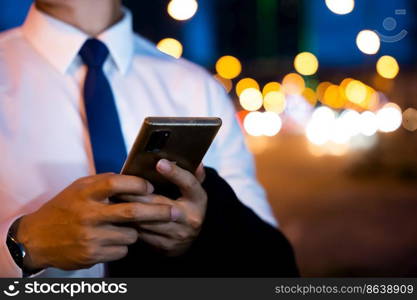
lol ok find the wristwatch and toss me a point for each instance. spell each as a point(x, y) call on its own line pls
point(17, 250)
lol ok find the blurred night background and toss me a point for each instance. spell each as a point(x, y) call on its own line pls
point(326, 94)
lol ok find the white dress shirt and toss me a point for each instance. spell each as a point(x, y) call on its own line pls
point(44, 142)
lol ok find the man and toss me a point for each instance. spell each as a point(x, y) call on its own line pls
point(75, 86)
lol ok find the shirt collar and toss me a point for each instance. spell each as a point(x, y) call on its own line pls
point(59, 42)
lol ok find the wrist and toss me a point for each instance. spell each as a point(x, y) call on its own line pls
point(31, 263)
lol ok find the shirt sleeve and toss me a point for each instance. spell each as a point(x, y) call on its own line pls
point(8, 267)
point(234, 162)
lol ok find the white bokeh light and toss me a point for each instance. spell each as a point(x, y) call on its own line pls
point(320, 128)
point(251, 99)
point(368, 123)
point(271, 123)
point(340, 132)
point(182, 10)
point(368, 42)
point(253, 123)
point(341, 7)
point(351, 121)
point(389, 118)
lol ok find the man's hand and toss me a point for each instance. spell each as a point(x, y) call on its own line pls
point(78, 228)
point(176, 236)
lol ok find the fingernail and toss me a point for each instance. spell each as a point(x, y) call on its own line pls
point(164, 166)
point(175, 213)
point(149, 187)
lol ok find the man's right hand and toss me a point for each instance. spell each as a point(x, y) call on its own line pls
point(80, 227)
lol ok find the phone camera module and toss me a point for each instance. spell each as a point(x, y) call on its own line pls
point(157, 141)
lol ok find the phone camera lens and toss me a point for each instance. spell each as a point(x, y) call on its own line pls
point(157, 140)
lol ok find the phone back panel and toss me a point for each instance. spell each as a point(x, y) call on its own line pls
point(182, 140)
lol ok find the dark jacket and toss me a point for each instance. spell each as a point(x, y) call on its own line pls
point(234, 242)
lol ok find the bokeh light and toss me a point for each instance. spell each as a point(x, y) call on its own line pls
point(253, 123)
point(368, 123)
point(389, 117)
point(345, 83)
point(271, 87)
point(246, 83)
point(387, 67)
point(351, 122)
point(310, 96)
point(293, 84)
point(271, 123)
point(368, 42)
point(251, 99)
point(319, 129)
point(274, 102)
point(356, 92)
point(171, 47)
point(262, 124)
point(228, 67)
point(341, 7)
point(410, 119)
point(321, 90)
point(182, 10)
point(306, 63)
point(333, 97)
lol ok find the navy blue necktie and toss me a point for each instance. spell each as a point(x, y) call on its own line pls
point(106, 137)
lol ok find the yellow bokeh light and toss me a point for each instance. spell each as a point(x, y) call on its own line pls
point(387, 67)
point(321, 89)
point(271, 87)
point(246, 83)
point(310, 96)
point(306, 63)
point(228, 67)
point(171, 47)
point(274, 102)
point(368, 42)
point(226, 83)
point(356, 92)
point(345, 83)
point(251, 99)
point(293, 84)
point(333, 97)
point(371, 100)
point(182, 10)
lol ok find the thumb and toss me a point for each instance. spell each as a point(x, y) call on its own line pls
point(200, 173)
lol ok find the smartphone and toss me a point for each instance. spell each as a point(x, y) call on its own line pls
point(182, 140)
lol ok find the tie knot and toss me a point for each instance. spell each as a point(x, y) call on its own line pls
point(94, 53)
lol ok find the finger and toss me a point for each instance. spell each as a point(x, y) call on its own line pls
point(158, 241)
point(170, 230)
point(112, 253)
point(188, 184)
point(113, 184)
point(117, 235)
point(135, 212)
point(200, 173)
point(149, 199)
point(177, 212)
